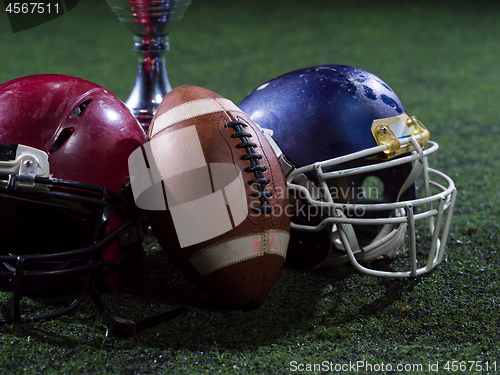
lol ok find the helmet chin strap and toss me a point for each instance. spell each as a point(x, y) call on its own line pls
point(386, 244)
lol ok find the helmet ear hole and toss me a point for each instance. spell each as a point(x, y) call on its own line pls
point(78, 110)
point(373, 188)
point(61, 138)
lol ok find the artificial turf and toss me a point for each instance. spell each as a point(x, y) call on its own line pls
point(440, 57)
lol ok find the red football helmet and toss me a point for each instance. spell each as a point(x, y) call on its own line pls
point(64, 204)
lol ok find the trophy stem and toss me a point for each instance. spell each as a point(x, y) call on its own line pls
point(151, 82)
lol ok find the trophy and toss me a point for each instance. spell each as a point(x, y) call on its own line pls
point(150, 22)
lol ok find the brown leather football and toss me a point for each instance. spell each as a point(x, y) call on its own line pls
point(224, 225)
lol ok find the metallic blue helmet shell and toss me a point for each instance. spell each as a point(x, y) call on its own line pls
point(332, 105)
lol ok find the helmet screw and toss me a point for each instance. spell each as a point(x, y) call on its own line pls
point(28, 163)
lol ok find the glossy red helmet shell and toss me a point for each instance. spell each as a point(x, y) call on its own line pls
point(85, 129)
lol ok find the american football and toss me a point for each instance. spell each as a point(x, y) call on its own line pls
point(224, 224)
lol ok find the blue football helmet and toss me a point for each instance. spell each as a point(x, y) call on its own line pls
point(357, 171)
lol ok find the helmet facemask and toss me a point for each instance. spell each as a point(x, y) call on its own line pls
point(371, 203)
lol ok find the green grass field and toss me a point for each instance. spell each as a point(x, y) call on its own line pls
point(441, 57)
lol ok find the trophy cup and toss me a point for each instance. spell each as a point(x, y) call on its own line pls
point(150, 22)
